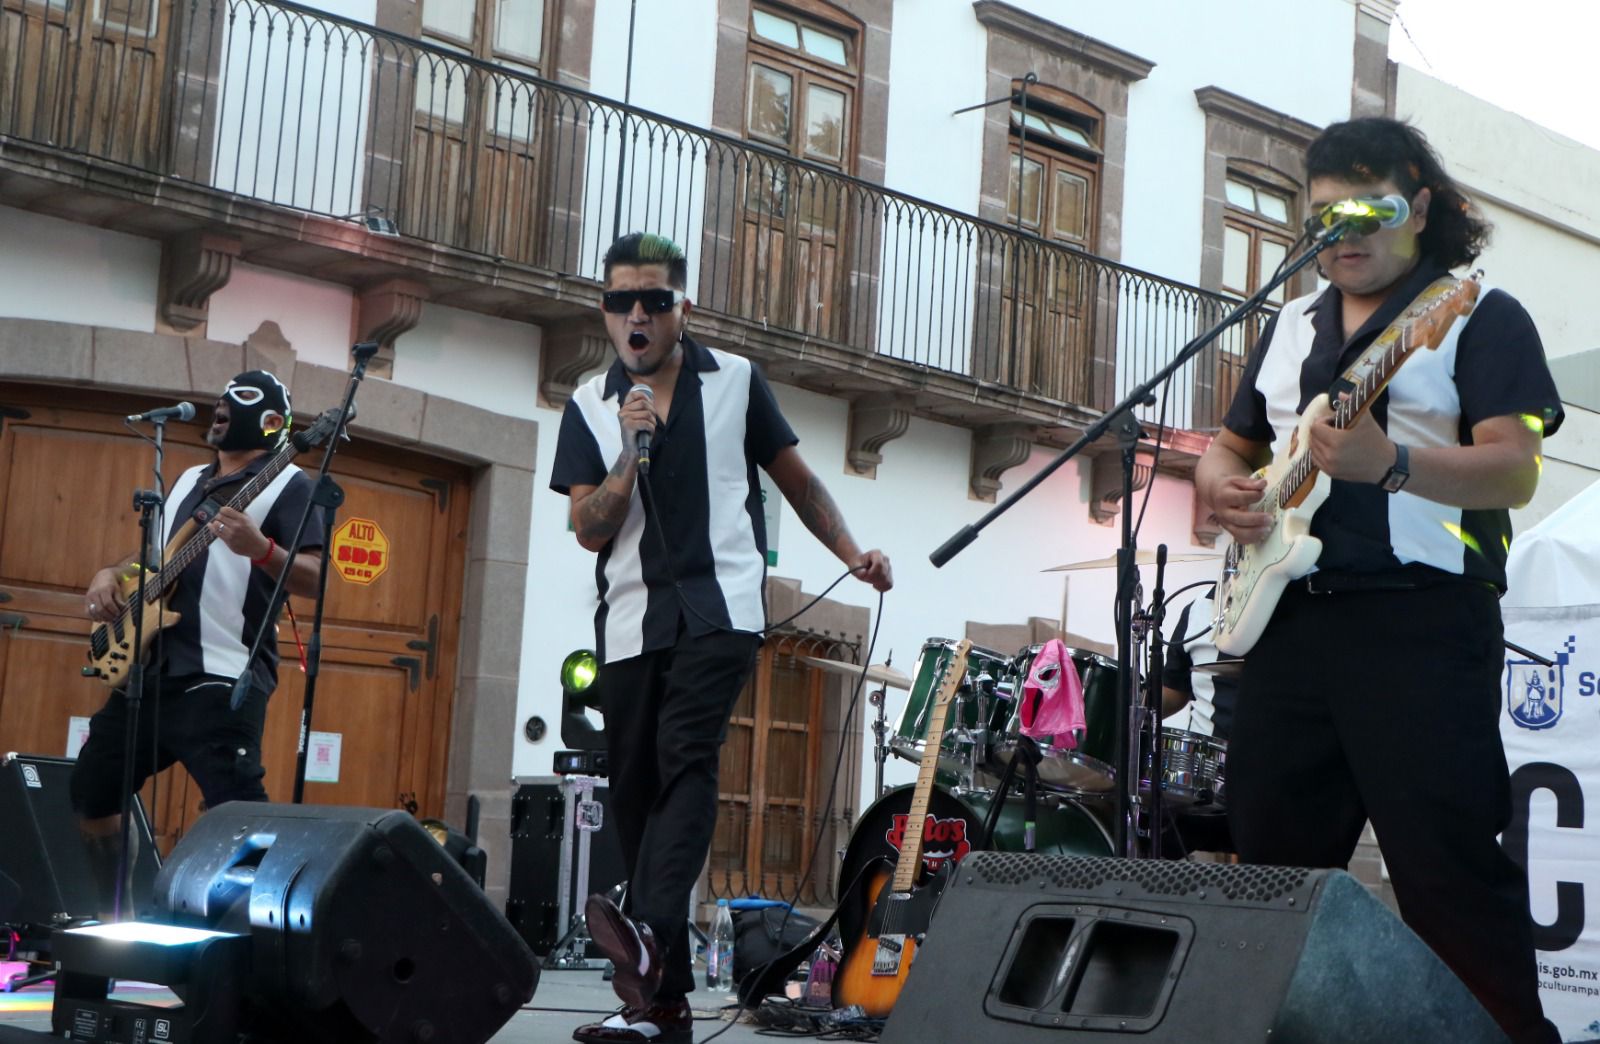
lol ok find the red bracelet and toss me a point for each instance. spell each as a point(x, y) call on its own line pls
point(266, 556)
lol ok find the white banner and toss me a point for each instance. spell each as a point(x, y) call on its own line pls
point(1550, 723)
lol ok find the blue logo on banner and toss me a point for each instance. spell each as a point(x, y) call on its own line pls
point(1534, 692)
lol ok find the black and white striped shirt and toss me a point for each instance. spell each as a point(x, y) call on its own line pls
point(1489, 365)
point(724, 422)
point(221, 597)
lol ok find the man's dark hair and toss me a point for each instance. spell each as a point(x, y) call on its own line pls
point(1375, 148)
point(647, 248)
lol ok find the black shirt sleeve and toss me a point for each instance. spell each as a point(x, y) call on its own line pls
point(578, 461)
point(284, 517)
point(1247, 415)
point(1500, 366)
point(766, 432)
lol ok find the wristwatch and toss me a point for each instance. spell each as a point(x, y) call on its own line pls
point(1396, 476)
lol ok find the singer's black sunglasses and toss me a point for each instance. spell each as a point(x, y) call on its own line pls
point(655, 302)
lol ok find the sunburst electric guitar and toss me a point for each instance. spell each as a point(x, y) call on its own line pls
point(111, 650)
point(1254, 575)
point(879, 951)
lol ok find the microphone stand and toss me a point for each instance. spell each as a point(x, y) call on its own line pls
point(327, 495)
point(1122, 418)
point(148, 502)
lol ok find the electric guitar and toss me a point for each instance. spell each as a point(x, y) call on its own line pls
point(879, 949)
point(111, 650)
point(1254, 575)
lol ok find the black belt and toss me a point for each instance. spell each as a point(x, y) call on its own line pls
point(1405, 578)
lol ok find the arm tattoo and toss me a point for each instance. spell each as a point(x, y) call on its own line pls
point(602, 512)
point(821, 516)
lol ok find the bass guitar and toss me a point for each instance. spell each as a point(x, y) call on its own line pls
point(111, 650)
point(1254, 575)
point(879, 948)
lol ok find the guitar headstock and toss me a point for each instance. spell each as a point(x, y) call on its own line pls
point(1433, 321)
point(325, 425)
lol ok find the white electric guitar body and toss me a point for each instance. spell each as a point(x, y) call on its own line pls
point(1254, 575)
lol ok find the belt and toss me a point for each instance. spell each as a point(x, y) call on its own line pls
point(1405, 578)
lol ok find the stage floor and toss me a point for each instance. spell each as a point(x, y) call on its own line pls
point(563, 1001)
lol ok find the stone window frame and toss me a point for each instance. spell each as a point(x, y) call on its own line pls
point(1076, 65)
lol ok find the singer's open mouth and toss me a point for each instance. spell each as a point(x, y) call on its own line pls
point(638, 340)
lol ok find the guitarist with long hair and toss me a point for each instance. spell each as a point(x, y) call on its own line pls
point(1373, 691)
point(216, 606)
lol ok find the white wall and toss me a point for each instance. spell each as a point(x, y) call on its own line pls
point(315, 317)
point(55, 269)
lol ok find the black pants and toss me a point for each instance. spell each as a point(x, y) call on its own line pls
point(190, 723)
point(666, 717)
point(1385, 705)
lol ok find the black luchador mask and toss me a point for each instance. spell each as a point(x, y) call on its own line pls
point(258, 412)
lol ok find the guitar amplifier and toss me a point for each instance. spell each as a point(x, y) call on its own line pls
point(42, 852)
point(533, 896)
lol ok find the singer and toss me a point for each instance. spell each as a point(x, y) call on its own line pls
point(681, 561)
point(221, 599)
point(1414, 540)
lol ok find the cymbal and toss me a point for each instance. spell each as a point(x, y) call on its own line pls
point(1230, 669)
point(877, 674)
point(1142, 557)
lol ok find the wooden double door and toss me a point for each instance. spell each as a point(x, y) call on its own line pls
point(68, 468)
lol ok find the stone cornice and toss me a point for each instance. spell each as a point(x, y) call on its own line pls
point(1003, 18)
point(1229, 106)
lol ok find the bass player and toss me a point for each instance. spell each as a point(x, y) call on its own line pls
point(1373, 692)
point(220, 601)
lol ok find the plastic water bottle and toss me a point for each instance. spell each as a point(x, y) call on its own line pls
point(719, 950)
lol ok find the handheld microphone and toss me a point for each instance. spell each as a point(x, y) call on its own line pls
point(642, 438)
point(1367, 214)
point(184, 411)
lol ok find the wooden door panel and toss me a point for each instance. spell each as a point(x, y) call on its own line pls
point(409, 518)
point(39, 677)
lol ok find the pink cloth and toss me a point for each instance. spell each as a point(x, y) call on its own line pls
point(1052, 697)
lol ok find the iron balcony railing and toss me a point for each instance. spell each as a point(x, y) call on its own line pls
point(292, 106)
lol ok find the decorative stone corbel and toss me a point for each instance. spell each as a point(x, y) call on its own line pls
point(194, 265)
point(995, 450)
point(569, 350)
point(1205, 528)
point(875, 419)
point(1105, 483)
point(389, 309)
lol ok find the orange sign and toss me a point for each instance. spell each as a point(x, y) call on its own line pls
point(360, 550)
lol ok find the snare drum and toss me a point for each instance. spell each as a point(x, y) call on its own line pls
point(975, 718)
point(1091, 767)
point(1193, 769)
point(954, 826)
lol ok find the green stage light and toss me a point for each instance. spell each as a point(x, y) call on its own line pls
point(578, 671)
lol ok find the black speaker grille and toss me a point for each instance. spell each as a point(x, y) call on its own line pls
point(1165, 877)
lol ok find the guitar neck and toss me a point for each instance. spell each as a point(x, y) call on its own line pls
point(905, 870)
point(180, 560)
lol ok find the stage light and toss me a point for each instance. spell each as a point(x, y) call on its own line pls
point(578, 671)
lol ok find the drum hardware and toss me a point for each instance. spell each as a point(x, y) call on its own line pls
point(1142, 558)
point(880, 729)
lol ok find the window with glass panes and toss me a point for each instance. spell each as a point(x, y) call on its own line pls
point(510, 33)
point(1256, 236)
point(801, 86)
point(1054, 191)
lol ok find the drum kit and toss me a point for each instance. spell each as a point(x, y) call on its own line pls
point(1076, 777)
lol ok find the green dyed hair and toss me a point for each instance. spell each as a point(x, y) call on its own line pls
point(647, 248)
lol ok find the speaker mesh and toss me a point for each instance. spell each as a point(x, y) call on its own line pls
point(1165, 877)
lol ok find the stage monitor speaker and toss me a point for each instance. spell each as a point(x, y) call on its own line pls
point(364, 928)
point(43, 853)
point(1031, 948)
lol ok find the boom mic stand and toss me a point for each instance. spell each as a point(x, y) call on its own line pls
point(1121, 417)
point(327, 495)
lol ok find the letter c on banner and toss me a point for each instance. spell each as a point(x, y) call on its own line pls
point(1560, 781)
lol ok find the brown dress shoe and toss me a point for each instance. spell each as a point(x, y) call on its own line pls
point(669, 1023)
point(631, 948)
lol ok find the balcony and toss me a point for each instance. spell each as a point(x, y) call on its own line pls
point(275, 124)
